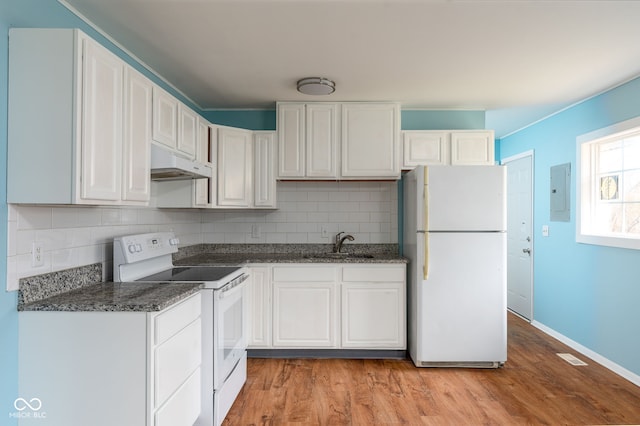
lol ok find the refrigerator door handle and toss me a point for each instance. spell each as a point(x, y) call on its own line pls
point(425, 225)
point(425, 261)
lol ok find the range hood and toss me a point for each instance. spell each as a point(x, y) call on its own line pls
point(167, 165)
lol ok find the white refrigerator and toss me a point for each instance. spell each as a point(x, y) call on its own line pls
point(455, 238)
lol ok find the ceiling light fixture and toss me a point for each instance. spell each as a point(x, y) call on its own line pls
point(316, 86)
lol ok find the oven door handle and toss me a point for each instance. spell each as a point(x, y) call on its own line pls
point(224, 291)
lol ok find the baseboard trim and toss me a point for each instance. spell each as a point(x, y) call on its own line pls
point(328, 353)
point(605, 362)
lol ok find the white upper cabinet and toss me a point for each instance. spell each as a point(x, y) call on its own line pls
point(308, 140)
point(264, 179)
point(370, 140)
point(457, 147)
point(321, 140)
point(102, 113)
point(472, 147)
point(425, 148)
point(187, 131)
point(74, 155)
point(174, 124)
point(202, 187)
point(165, 118)
point(338, 141)
point(235, 174)
point(291, 140)
point(138, 110)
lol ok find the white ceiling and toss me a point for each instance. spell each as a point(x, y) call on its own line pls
point(509, 55)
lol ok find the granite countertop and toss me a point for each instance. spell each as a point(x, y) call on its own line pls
point(232, 259)
point(122, 297)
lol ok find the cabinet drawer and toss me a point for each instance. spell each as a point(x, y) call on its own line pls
point(373, 273)
point(304, 274)
point(183, 408)
point(176, 318)
point(176, 359)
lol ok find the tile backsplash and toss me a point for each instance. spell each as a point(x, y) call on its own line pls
point(72, 236)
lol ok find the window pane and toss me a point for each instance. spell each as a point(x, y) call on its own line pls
point(608, 218)
point(610, 156)
point(632, 218)
point(631, 186)
point(632, 152)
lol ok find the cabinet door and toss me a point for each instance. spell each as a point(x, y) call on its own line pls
point(165, 118)
point(259, 308)
point(425, 148)
point(201, 186)
point(235, 161)
point(137, 137)
point(101, 140)
point(291, 134)
point(304, 314)
point(321, 140)
point(264, 182)
point(472, 148)
point(370, 140)
point(187, 131)
point(373, 315)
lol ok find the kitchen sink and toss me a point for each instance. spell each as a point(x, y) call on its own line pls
point(338, 256)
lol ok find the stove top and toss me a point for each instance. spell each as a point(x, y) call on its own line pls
point(192, 273)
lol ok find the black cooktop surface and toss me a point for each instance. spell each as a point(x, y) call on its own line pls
point(192, 273)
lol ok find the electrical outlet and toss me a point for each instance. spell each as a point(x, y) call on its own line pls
point(255, 231)
point(545, 230)
point(324, 233)
point(37, 254)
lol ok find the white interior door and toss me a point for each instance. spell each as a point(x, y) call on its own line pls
point(520, 234)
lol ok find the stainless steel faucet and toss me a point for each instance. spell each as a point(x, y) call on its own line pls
point(339, 241)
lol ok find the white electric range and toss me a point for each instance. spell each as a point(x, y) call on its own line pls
point(148, 258)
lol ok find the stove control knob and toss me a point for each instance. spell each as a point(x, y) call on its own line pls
point(174, 241)
point(132, 248)
point(138, 248)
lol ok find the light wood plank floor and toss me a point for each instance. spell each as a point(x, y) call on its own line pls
point(535, 387)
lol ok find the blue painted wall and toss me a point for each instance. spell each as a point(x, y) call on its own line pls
point(410, 119)
point(588, 293)
point(254, 119)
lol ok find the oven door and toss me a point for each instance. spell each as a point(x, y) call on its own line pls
point(229, 339)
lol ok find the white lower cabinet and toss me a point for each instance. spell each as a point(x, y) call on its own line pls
point(259, 304)
point(305, 301)
point(332, 306)
point(113, 368)
point(373, 307)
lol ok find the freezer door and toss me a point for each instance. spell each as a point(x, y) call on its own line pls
point(466, 198)
point(462, 306)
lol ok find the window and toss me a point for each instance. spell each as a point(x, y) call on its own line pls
point(609, 194)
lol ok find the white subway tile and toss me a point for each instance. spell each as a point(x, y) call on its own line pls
point(12, 238)
point(64, 217)
point(296, 217)
point(285, 227)
point(297, 238)
point(89, 216)
point(307, 227)
point(275, 238)
point(34, 217)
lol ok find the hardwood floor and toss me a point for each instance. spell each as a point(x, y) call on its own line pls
point(535, 387)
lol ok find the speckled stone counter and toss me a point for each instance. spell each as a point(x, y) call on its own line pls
point(240, 254)
point(80, 289)
point(133, 297)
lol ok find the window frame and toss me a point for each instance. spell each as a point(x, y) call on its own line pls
point(586, 178)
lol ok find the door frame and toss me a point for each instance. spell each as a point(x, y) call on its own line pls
point(503, 162)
